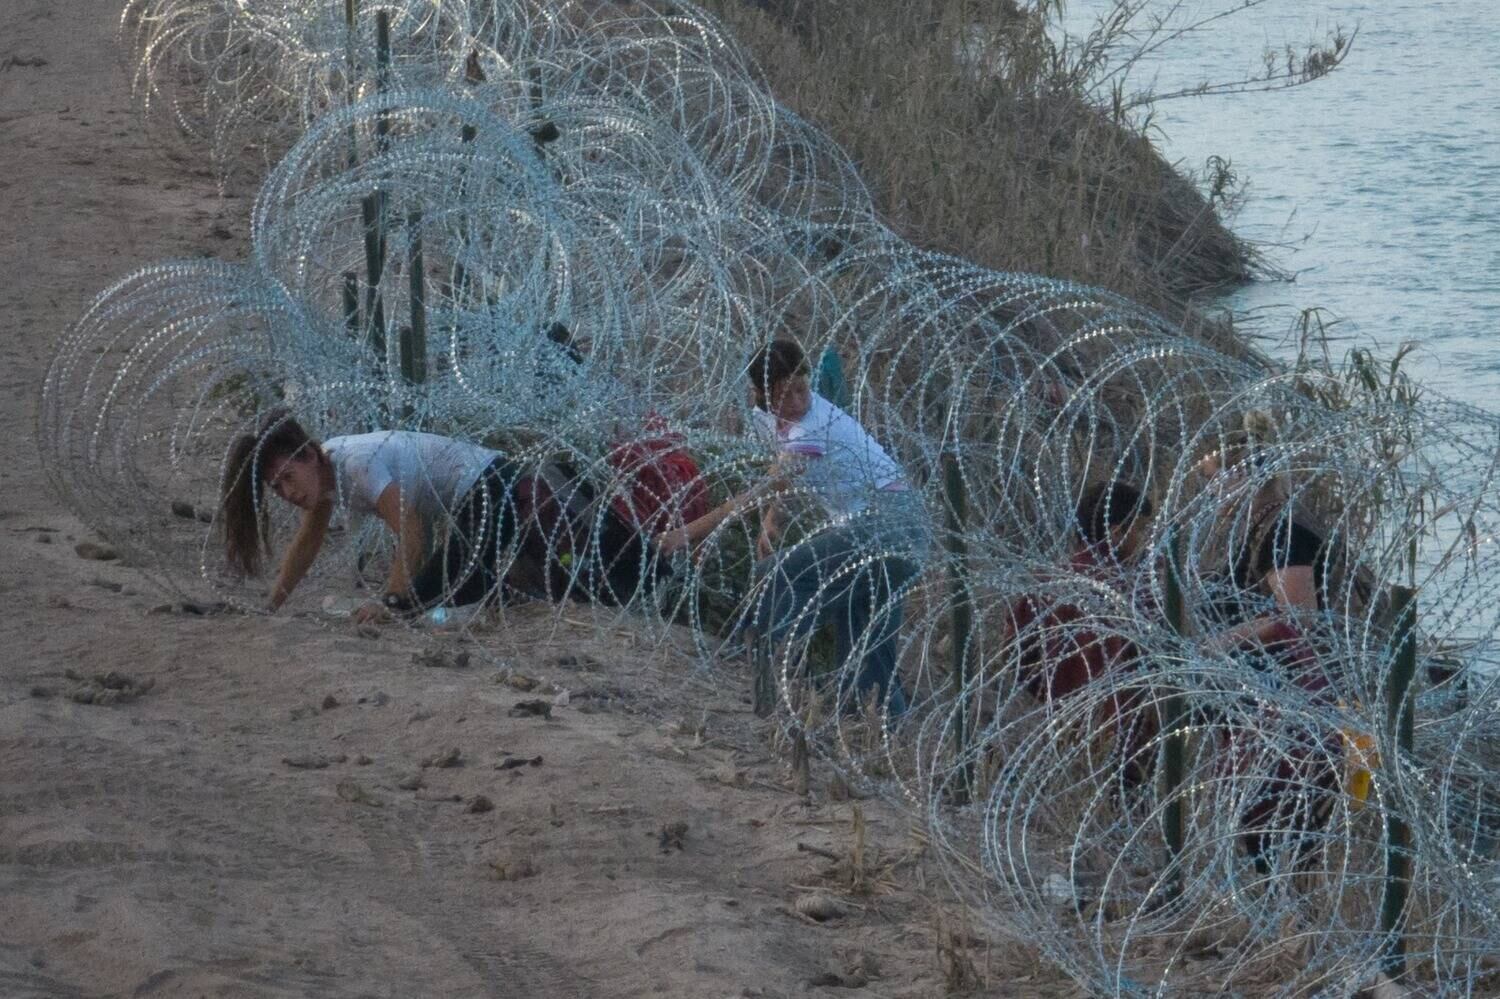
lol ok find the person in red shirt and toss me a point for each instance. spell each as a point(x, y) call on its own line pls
point(1066, 648)
point(1273, 578)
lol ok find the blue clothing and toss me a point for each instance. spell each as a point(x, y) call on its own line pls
point(854, 576)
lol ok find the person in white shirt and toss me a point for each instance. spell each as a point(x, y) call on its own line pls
point(411, 481)
point(840, 464)
point(868, 545)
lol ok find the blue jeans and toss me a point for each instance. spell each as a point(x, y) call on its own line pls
point(852, 575)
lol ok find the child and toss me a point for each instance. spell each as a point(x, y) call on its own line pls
point(852, 567)
point(1064, 648)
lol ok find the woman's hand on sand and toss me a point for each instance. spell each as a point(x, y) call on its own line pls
point(370, 612)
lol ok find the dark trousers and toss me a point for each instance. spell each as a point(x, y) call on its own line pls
point(855, 577)
point(513, 532)
point(463, 570)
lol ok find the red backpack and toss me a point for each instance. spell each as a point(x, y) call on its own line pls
point(663, 487)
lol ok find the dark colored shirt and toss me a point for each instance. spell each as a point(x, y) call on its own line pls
point(1276, 543)
point(1280, 544)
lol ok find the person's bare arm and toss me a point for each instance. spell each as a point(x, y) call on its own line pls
point(691, 534)
point(404, 522)
point(782, 473)
point(1296, 595)
point(302, 552)
point(411, 542)
point(770, 531)
point(1295, 589)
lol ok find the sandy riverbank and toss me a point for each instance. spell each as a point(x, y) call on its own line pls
point(242, 829)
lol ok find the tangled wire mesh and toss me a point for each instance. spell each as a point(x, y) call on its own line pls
point(1122, 619)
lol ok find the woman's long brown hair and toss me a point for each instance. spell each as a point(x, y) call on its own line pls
point(246, 524)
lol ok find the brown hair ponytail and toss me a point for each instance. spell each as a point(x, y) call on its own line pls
point(246, 523)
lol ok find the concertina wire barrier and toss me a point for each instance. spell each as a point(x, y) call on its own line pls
point(562, 230)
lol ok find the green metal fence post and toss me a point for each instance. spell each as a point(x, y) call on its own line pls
point(962, 618)
point(762, 677)
point(1174, 721)
point(1400, 727)
point(382, 74)
point(351, 302)
point(350, 65)
point(414, 339)
point(373, 214)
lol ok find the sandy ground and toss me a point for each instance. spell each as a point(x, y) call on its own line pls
point(168, 845)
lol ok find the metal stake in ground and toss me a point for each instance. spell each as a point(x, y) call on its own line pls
point(1400, 725)
point(1174, 723)
point(414, 338)
point(763, 683)
point(351, 303)
point(372, 207)
point(963, 619)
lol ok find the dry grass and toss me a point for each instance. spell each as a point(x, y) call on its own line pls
point(1012, 167)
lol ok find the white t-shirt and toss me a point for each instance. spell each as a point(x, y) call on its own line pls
point(432, 472)
point(844, 464)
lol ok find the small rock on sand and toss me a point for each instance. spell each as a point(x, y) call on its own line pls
point(479, 805)
point(330, 702)
point(108, 688)
point(512, 869)
point(728, 775)
point(95, 552)
point(441, 658)
point(532, 709)
point(448, 758)
point(354, 793)
point(673, 834)
point(412, 783)
point(191, 609)
point(832, 980)
point(313, 761)
point(524, 684)
point(819, 907)
point(186, 510)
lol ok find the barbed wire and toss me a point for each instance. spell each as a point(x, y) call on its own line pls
point(561, 231)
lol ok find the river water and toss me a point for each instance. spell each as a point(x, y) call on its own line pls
point(1378, 186)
